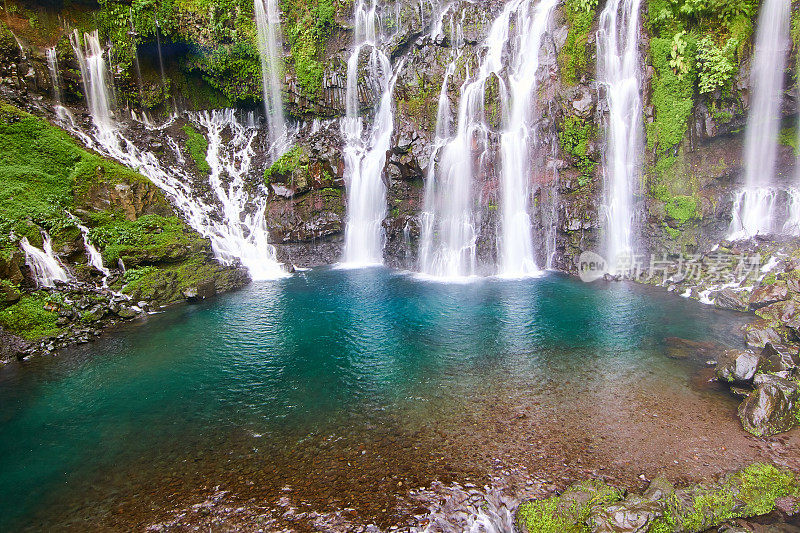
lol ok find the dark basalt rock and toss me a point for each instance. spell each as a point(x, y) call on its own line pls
point(771, 408)
point(759, 333)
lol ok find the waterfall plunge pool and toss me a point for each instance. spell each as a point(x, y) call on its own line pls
point(345, 391)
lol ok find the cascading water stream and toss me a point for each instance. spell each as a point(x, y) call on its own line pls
point(619, 69)
point(754, 210)
point(449, 226)
point(43, 263)
point(93, 255)
point(235, 221)
point(270, 48)
point(365, 149)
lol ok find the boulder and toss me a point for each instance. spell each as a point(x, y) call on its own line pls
point(769, 294)
point(759, 333)
point(728, 299)
point(771, 408)
point(8, 294)
point(738, 366)
point(778, 358)
point(678, 348)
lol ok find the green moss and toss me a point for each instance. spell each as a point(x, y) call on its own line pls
point(197, 146)
point(769, 279)
point(673, 97)
point(573, 58)
point(29, 319)
point(286, 165)
point(567, 513)
point(575, 135)
point(151, 239)
point(682, 208)
point(789, 138)
point(761, 485)
point(308, 25)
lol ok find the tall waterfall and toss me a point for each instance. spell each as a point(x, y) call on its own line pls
point(52, 66)
point(365, 148)
point(449, 226)
point(619, 70)
point(270, 48)
point(43, 263)
point(754, 207)
point(520, 135)
point(233, 219)
point(96, 83)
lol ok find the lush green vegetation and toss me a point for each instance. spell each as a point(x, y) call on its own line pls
point(573, 57)
point(287, 164)
point(575, 135)
point(567, 513)
point(307, 27)
point(29, 318)
point(197, 146)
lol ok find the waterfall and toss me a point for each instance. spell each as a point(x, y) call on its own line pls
point(754, 209)
point(242, 234)
point(43, 263)
point(520, 136)
point(52, 66)
point(449, 226)
point(619, 71)
point(365, 149)
point(270, 50)
point(94, 74)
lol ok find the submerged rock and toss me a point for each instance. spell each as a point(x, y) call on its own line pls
point(772, 407)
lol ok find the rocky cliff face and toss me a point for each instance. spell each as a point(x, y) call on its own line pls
point(695, 105)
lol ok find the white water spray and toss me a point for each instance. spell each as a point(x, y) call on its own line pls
point(43, 263)
point(365, 149)
point(619, 69)
point(270, 48)
point(754, 207)
point(93, 255)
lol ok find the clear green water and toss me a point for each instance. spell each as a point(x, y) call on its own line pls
point(327, 352)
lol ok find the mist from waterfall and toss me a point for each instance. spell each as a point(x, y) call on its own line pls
point(44, 265)
point(365, 148)
point(234, 219)
point(619, 70)
point(449, 219)
point(270, 50)
point(754, 210)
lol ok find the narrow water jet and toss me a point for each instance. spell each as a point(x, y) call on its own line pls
point(93, 255)
point(619, 70)
point(43, 263)
point(270, 51)
point(365, 147)
point(754, 207)
point(55, 77)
